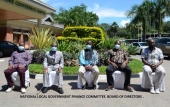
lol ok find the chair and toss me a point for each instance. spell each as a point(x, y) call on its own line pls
point(53, 78)
point(88, 78)
point(119, 79)
point(16, 79)
point(144, 84)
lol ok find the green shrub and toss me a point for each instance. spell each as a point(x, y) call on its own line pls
point(84, 32)
point(41, 38)
point(38, 56)
point(107, 44)
point(132, 49)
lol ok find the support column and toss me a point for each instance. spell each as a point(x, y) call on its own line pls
point(9, 34)
point(39, 23)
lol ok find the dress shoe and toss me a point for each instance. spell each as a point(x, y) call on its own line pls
point(45, 90)
point(84, 86)
point(109, 88)
point(94, 87)
point(10, 89)
point(60, 90)
point(128, 88)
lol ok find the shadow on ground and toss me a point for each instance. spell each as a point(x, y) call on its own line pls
point(16, 89)
point(137, 87)
point(39, 87)
point(3, 88)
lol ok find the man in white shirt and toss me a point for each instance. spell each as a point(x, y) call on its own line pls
point(153, 57)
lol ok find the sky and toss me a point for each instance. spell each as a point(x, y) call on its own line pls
point(109, 11)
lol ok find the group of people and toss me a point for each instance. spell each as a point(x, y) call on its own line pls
point(152, 57)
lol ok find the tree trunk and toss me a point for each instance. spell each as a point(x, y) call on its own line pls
point(144, 30)
point(159, 26)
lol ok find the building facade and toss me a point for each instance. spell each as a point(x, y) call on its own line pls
point(17, 17)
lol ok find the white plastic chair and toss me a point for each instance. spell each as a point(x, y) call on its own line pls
point(88, 78)
point(16, 79)
point(145, 85)
point(53, 79)
point(119, 79)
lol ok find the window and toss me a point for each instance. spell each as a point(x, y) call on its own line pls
point(162, 41)
point(135, 44)
point(16, 38)
point(143, 44)
point(9, 43)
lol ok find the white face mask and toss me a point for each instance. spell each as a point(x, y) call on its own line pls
point(54, 48)
point(88, 46)
point(21, 48)
point(117, 46)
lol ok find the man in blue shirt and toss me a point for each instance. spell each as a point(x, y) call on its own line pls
point(88, 60)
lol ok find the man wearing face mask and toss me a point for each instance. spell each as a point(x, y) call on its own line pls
point(53, 61)
point(88, 60)
point(118, 60)
point(19, 62)
point(152, 57)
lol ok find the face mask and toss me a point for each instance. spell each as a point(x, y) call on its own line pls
point(54, 49)
point(117, 46)
point(88, 46)
point(21, 48)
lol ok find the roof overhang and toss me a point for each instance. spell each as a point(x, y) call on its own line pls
point(23, 9)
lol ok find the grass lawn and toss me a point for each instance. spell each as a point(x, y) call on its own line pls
point(135, 65)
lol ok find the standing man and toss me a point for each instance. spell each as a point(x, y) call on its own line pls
point(53, 62)
point(88, 60)
point(19, 62)
point(152, 57)
point(118, 60)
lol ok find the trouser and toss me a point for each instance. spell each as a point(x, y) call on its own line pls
point(110, 70)
point(159, 71)
point(95, 72)
point(21, 72)
point(46, 77)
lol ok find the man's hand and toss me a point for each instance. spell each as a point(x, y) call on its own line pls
point(153, 66)
point(88, 68)
point(114, 65)
point(59, 69)
point(21, 66)
point(123, 65)
point(45, 70)
point(9, 67)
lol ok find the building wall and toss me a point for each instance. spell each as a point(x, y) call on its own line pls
point(3, 31)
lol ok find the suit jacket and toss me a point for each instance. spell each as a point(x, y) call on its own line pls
point(53, 59)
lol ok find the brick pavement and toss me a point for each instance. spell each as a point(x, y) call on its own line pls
point(150, 100)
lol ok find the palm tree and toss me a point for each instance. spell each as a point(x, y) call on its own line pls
point(140, 13)
point(162, 9)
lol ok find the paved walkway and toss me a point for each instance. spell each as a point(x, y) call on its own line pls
point(81, 98)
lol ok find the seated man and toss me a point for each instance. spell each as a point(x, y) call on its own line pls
point(19, 62)
point(118, 60)
point(152, 57)
point(88, 59)
point(53, 61)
